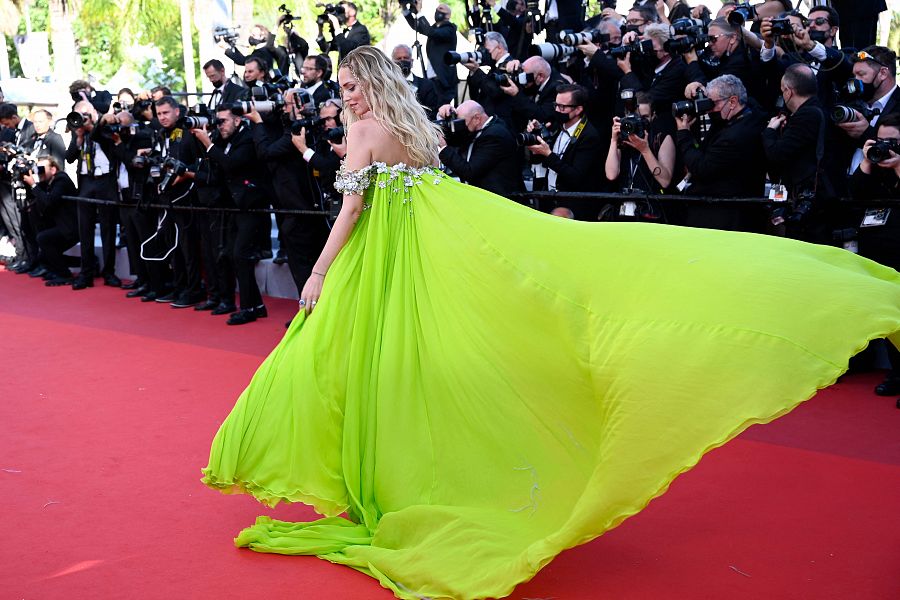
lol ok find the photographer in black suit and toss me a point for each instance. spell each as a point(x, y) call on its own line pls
point(425, 92)
point(536, 99)
point(263, 43)
point(488, 156)
point(729, 162)
point(247, 181)
point(21, 134)
point(225, 92)
point(353, 33)
point(312, 75)
point(49, 185)
point(573, 153)
point(794, 147)
point(441, 39)
point(514, 25)
point(46, 142)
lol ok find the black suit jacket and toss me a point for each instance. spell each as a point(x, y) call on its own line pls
point(441, 39)
point(513, 29)
point(23, 136)
point(494, 164)
point(791, 152)
point(426, 95)
point(229, 93)
point(324, 92)
point(290, 175)
point(342, 43)
point(49, 203)
point(275, 57)
point(50, 144)
point(245, 176)
point(664, 88)
point(742, 64)
point(582, 156)
point(541, 107)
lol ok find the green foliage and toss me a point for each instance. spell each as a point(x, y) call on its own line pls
point(894, 36)
point(97, 30)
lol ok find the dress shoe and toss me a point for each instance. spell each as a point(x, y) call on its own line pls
point(22, 267)
point(132, 285)
point(150, 296)
point(224, 308)
point(58, 281)
point(280, 258)
point(247, 315)
point(112, 281)
point(167, 298)
point(138, 291)
point(186, 300)
point(208, 305)
point(37, 271)
point(80, 282)
point(888, 387)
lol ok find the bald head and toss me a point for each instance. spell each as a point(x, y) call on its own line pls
point(473, 114)
point(538, 67)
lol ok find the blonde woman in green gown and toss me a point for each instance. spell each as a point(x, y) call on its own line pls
point(472, 387)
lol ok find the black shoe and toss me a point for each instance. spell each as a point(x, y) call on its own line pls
point(888, 387)
point(208, 305)
point(51, 275)
point(168, 298)
point(38, 271)
point(138, 291)
point(247, 315)
point(112, 281)
point(22, 267)
point(224, 308)
point(58, 281)
point(264, 254)
point(81, 282)
point(132, 285)
point(280, 258)
point(150, 296)
point(186, 300)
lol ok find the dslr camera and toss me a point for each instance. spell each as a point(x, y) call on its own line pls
point(700, 105)
point(742, 13)
point(782, 27)
point(881, 150)
point(229, 35)
point(639, 47)
point(845, 112)
point(632, 124)
point(692, 36)
point(479, 57)
point(551, 52)
point(330, 9)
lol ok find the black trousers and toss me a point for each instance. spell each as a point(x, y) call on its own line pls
point(53, 243)
point(214, 229)
point(12, 219)
point(245, 250)
point(303, 237)
point(101, 188)
point(127, 218)
point(157, 269)
point(858, 33)
point(186, 263)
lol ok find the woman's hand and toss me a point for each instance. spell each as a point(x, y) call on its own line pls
point(312, 290)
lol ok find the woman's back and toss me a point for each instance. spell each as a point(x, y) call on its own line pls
point(380, 144)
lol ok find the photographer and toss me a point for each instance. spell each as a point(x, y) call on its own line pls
point(425, 92)
point(174, 145)
point(59, 215)
point(325, 157)
point(878, 176)
point(648, 158)
point(515, 26)
point(487, 157)
point(82, 90)
point(225, 92)
point(96, 179)
point(256, 73)
point(353, 33)
point(312, 74)
point(19, 133)
point(729, 162)
point(662, 74)
point(725, 54)
point(441, 39)
point(536, 100)
point(571, 155)
point(302, 237)
point(794, 147)
point(246, 180)
point(46, 142)
point(485, 88)
point(263, 43)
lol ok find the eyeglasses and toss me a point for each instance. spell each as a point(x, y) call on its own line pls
point(565, 106)
point(862, 55)
point(636, 21)
point(820, 21)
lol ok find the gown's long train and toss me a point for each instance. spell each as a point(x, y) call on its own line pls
point(482, 386)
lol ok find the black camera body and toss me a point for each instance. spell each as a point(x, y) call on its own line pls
point(845, 112)
point(782, 27)
point(698, 106)
point(881, 150)
point(742, 13)
point(330, 9)
point(479, 57)
point(693, 36)
point(636, 48)
point(632, 125)
point(229, 35)
point(530, 138)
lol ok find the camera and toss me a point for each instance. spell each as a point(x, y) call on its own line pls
point(782, 27)
point(330, 9)
point(334, 135)
point(229, 35)
point(694, 36)
point(551, 52)
point(407, 7)
point(698, 106)
point(686, 26)
point(170, 169)
point(530, 138)
point(742, 13)
point(845, 112)
point(451, 125)
point(632, 124)
point(593, 36)
point(286, 17)
point(479, 57)
point(881, 150)
point(638, 47)
point(519, 77)
point(74, 120)
point(307, 123)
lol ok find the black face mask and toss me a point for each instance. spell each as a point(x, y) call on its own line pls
point(559, 118)
point(439, 17)
point(255, 41)
point(819, 36)
point(634, 28)
point(405, 67)
point(868, 89)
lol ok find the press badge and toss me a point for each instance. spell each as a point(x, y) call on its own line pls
point(778, 193)
point(875, 217)
point(628, 209)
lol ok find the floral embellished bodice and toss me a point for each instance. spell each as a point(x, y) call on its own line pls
point(397, 178)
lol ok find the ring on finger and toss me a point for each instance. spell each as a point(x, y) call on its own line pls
point(302, 302)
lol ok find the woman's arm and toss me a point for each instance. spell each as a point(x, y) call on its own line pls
point(359, 155)
point(614, 156)
point(662, 166)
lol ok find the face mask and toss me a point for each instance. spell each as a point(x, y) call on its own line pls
point(254, 41)
point(405, 67)
point(558, 118)
point(818, 36)
point(868, 89)
point(781, 106)
point(634, 28)
point(439, 16)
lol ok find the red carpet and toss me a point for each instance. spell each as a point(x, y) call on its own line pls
point(108, 407)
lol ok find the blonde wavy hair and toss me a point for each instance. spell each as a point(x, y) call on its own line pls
point(393, 103)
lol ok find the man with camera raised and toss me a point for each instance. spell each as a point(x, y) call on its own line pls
point(656, 71)
point(96, 179)
point(20, 133)
point(424, 89)
point(486, 156)
point(536, 98)
point(573, 152)
point(729, 162)
point(353, 33)
point(725, 54)
point(487, 88)
point(441, 39)
point(247, 182)
point(263, 43)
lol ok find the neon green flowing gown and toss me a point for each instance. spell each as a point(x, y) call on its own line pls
point(482, 386)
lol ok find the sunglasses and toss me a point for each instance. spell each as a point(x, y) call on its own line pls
point(820, 21)
point(862, 55)
point(564, 106)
